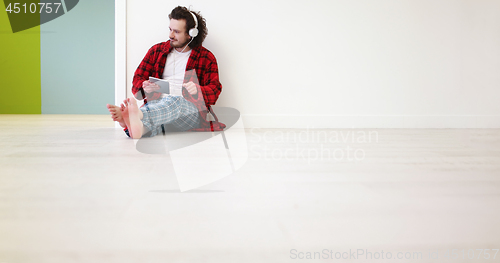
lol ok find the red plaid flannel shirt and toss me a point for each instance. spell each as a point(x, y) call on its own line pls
point(204, 64)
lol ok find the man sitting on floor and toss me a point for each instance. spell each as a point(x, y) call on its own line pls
point(193, 75)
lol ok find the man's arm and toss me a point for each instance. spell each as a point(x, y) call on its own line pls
point(142, 73)
point(211, 87)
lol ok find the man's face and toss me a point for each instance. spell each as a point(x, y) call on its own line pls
point(178, 35)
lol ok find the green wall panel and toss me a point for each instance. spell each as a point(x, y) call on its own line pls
point(19, 69)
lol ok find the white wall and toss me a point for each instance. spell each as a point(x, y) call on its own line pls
point(345, 63)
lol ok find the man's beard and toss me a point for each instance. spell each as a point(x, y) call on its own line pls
point(179, 45)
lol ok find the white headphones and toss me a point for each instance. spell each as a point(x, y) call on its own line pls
point(193, 32)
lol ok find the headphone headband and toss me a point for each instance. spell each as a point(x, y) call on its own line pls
point(193, 32)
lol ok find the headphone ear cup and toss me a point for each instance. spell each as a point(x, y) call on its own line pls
point(193, 32)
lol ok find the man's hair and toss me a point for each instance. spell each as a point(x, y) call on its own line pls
point(181, 12)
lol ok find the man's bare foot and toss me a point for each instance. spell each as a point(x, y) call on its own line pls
point(116, 114)
point(132, 117)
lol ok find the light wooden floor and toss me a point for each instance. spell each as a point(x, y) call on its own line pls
point(75, 189)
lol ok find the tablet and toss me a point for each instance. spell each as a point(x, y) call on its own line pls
point(164, 85)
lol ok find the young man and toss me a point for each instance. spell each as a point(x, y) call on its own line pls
point(192, 73)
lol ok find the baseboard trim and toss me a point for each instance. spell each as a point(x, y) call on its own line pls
point(372, 121)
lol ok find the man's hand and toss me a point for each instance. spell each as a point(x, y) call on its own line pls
point(150, 87)
point(190, 87)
